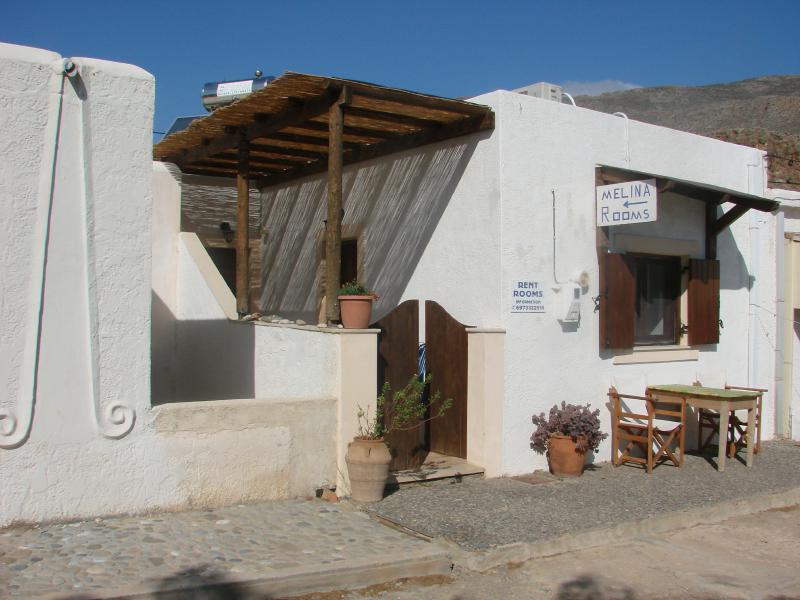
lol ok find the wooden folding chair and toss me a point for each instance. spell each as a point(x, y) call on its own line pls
point(737, 428)
point(650, 431)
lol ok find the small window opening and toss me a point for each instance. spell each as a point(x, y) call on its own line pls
point(658, 282)
point(349, 268)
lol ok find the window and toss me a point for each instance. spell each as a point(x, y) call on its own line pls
point(639, 301)
point(349, 268)
point(657, 299)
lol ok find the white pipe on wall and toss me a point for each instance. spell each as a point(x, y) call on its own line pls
point(779, 395)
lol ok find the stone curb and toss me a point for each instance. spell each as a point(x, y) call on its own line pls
point(522, 551)
point(350, 574)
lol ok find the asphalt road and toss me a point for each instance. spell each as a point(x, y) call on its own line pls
point(753, 557)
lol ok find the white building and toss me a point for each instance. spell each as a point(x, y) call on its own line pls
point(133, 386)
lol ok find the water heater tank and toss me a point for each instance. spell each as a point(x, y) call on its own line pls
point(220, 93)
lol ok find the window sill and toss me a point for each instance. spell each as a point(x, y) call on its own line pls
point(657, 354)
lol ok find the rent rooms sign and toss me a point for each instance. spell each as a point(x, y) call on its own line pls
point(628, 202)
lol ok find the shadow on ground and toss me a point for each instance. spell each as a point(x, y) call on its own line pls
point(199, 583)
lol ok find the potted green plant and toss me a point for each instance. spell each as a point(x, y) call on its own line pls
point(355, 305)
point(566, 435)
point(368, 456)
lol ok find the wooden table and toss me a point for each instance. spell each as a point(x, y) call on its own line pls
point(721, 400)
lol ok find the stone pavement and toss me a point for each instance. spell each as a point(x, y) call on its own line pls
point(278, 549)
point(268, 549)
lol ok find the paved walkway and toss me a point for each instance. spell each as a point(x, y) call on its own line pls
point(275, 546)
point(275, 549)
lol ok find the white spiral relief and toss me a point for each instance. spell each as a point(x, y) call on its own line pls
point(116, 420)
point(8, 425)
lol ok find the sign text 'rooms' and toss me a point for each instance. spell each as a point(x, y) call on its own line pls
point(628, 202)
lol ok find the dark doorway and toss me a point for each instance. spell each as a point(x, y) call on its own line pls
point(225, 261)
point(349, 270)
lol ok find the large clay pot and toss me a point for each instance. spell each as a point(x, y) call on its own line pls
point(564, 457)
point(355, 311)
point(368, 468)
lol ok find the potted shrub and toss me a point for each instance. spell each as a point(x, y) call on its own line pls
point(367, 456)
point(566, 435)
point(355, 305)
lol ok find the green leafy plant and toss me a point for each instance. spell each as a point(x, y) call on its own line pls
point(581, 423)
point(403, 410)
point(354, 288)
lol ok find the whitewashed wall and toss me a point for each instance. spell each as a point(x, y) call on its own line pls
point(92, 371)
point(88, 441)
point(487, 210)
point(790, 207)
point(554, 148)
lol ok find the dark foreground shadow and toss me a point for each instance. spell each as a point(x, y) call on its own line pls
point(586, 587)
point(198, 583)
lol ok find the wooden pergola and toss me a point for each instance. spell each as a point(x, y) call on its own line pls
point(302, 125)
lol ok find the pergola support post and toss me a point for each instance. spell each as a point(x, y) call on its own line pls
point(243, 230)
point(333, 223)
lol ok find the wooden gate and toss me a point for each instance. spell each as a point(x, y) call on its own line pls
point(398, 346)
point(446, 353)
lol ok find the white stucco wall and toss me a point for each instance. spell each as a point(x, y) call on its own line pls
point(92, 371)
point(493, 225)
point(790, 207)
point(88, 442)
point(551, 148)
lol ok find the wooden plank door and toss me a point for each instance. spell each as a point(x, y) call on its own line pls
point(446, 353)
point(398, 347)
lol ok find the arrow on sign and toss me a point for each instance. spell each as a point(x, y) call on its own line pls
point(628, 203)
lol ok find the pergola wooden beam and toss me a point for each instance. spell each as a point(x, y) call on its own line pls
point(347, 130)
point(333, 224)
point(401, 97)
point(243, 230)
point(388, 117)
point(297, 113)
point(307, 140)
point(396, 144)
point(267, 148)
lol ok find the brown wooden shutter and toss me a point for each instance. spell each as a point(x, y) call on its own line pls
point(617, 301)
point(703, 314)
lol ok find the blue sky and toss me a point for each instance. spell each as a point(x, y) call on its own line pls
point(445, 48)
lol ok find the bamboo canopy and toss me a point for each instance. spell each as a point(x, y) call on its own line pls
point(286, 127)
point(301, 125)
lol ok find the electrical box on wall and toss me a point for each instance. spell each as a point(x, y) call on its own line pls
point(569, 303)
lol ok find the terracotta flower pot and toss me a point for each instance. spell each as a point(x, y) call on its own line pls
point(564, 457)
point(356, 311)
point(368, 468)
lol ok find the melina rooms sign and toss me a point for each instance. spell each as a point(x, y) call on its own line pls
point(628, 202)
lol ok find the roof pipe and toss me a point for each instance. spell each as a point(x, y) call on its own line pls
point(569, 97)
point(627, 137)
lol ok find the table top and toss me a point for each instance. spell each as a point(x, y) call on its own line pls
point(702, 392)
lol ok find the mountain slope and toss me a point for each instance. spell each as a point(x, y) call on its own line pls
point(762, 112)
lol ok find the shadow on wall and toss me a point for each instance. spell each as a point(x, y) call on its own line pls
point(398, 202)
point(216, 362)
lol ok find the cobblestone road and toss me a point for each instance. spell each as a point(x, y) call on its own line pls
point(236, 543)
